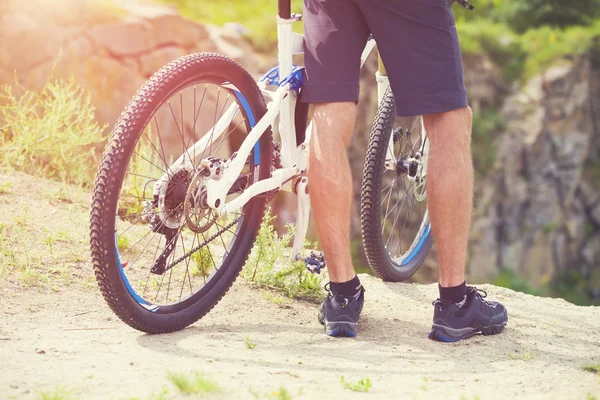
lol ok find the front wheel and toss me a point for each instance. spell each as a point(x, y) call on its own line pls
point(161, 256)
point(395, 223)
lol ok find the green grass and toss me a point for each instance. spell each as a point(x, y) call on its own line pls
point(487, 125)
point(269, 265)
point(544, 46)
point(570, 285)
point(496, 40)
point(363, 385)
point(41, 244)
point(201, 263)
point(281, 394)
point(52, 133)
point(249, 343)
point(524, 55)
point(507, 278)
point(424, 384)
point(526, 356)
point(59, 393)
point(257, 16)
point(194, 383)
point(123, 242)
point(594, 368)
point(134, 183)
point(6, 188)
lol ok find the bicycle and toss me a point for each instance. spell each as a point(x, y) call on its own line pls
point(183, 200)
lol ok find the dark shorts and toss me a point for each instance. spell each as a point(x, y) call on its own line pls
point(417, 41)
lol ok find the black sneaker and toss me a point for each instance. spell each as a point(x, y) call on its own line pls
point(340, 314)
point(457, 321)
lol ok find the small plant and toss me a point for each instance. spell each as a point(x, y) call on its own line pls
point(527, 356)
point(594, 368)
point(280, 301)
point(249, 344)
point(281, 394)
point(6, 188)
point(253, 393)
point(58, 393)
point(123, 242)
point(201, 262)
point(269, 265)
point(361, 386)
point(52, 133)
point(162, 395)
point(140, 172)
point(196, 383)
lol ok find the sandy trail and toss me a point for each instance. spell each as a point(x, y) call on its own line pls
point(72, 340)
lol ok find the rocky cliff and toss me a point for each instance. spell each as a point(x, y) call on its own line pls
point(539, 209)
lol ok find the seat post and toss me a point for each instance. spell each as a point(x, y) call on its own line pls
point(285, 9)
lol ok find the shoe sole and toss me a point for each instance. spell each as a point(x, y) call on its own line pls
point(446, 334)
point(341, 328)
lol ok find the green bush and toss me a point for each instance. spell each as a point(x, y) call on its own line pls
point(511, 280)
point(269, 265)
point(527, 54)
point(52, 133)
point(487, 125)
point(523, 15)
point(497, 41)
point(546, 45)
point(569, 285)
point(258, 16)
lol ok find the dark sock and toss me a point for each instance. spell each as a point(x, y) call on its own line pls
point(348, 289)
point(455, 294)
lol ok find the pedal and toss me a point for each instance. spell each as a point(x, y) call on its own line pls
point(466, 4)
point(314, 263)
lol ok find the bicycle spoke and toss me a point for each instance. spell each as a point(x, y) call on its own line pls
point(173, 130)
point(150, 162)
point(154, 147)
point(209, 253)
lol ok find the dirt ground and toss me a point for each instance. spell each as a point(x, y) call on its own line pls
point(71, 339)
point(59, 333)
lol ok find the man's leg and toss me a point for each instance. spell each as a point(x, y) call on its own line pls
point(450, 190)
point(461, 311)
point(331, 184)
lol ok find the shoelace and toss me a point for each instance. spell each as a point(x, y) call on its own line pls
point(471, 291)
point(482, 294)
point(361, 289)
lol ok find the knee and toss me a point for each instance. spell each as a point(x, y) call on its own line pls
point(466, 114)
point(449, 125)
point(334, 122)
point(337, 108)
point(460, 116)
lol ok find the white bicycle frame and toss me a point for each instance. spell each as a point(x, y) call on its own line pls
point(281, 104)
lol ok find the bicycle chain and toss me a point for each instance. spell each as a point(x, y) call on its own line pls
point(201, 245)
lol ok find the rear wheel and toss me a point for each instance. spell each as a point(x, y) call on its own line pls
point(395, 223)
point(162, 257)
